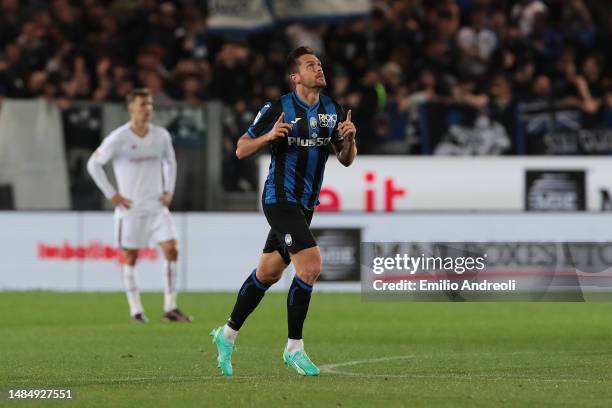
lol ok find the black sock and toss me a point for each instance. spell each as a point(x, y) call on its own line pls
point(298, 300)
point(249, 296)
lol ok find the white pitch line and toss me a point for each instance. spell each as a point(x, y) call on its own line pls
point(331, 369)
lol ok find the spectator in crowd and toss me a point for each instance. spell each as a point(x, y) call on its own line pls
point(238, 175)
point(525, 13)
point(477, 44)
point(607, 112)
point(229, 80)
point(10, 21)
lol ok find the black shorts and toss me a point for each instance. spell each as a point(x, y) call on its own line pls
point(290, 229)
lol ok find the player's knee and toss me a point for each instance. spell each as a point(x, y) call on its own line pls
point(311, 272)
point(172, 254)
point(268, 277)
point(130, 258)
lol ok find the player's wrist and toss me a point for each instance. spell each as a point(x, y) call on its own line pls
point(269, 137)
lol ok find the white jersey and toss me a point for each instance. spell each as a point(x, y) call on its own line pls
point(145, 168)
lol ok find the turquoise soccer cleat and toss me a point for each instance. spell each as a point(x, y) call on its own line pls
point(300, 361)
point(225, 350)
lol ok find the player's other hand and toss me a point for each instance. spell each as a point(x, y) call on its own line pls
point(119, 200)
point(347, 129)
point(280, 129)
point(166, 199)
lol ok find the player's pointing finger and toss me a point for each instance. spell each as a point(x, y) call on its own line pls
point(348, 116)
point(281, 117)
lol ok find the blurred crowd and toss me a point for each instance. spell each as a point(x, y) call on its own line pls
point(485, 53)
point(101, 50)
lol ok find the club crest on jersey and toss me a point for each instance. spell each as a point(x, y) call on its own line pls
point(288, 239)
point(328, 120)
point(313, 123)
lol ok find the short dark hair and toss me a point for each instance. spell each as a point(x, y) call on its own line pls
point(135, 93)
point(292, 64)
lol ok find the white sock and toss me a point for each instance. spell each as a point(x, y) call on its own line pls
point(169, 285)
point(131, 289)
point(293, 345)
point(229, 334)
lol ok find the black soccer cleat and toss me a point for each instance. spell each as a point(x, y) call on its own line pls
point(140, 318)
point(177, 316)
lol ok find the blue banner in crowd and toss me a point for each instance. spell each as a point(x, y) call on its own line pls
point(549, 130)
point(532, 128)
point(452, 129)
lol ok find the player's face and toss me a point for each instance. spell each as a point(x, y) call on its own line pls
point(141, 108)
point(311, 72)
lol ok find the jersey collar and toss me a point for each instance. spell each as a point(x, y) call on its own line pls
point(304, 104)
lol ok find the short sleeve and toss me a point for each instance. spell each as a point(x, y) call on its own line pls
point(264, 121)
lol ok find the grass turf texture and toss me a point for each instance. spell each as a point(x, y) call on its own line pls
point(371, 354)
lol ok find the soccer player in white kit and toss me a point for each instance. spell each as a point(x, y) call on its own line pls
point(145, 168)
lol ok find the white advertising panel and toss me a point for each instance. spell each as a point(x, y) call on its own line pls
point(222, 249)
point(386, 184)
point(101, 261)
point(33, 250)
point(74, 251)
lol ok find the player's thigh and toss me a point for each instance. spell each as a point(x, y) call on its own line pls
point(307, 263)
point(132, 232)
point(270, 268)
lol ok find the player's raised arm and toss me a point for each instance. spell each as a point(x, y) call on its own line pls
point(346, 149)
point(248, 145)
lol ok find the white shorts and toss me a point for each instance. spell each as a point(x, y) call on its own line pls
point(135, 232)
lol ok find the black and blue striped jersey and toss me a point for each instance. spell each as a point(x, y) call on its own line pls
point(298, 160)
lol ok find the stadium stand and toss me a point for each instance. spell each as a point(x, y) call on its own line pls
point(422, 77)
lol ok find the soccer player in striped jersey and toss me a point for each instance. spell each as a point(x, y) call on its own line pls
point(299, 129)
point(145, 168)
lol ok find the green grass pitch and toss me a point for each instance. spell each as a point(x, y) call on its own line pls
point(387, 354)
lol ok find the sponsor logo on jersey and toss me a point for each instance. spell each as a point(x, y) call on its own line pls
point(313, 142)
point(296, 120)
point(143, 159)
point(327, 120)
